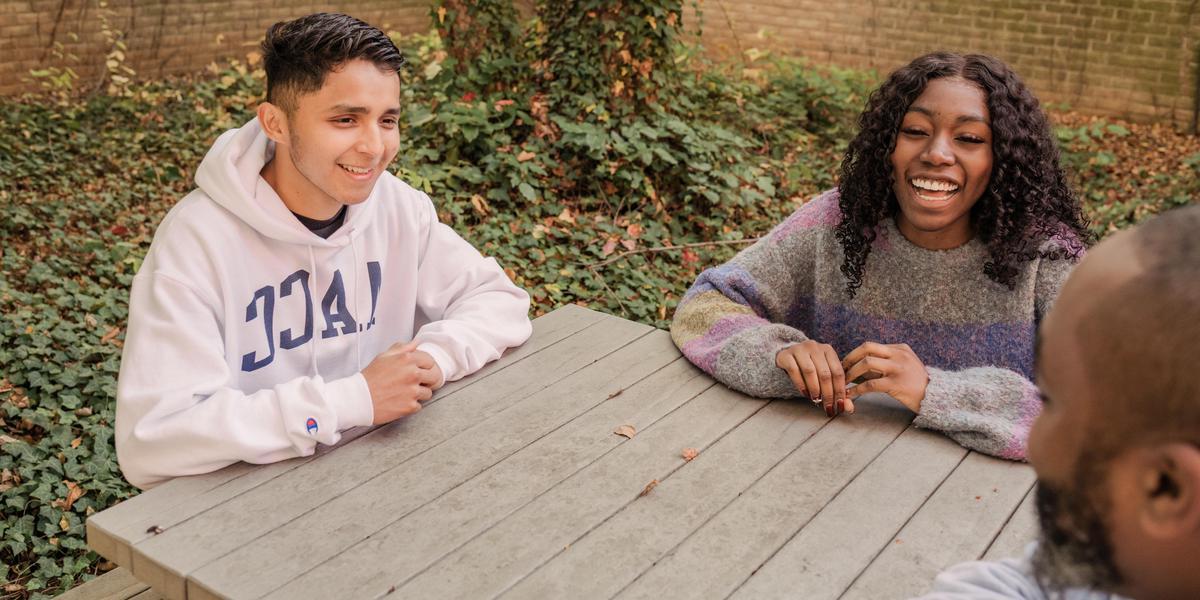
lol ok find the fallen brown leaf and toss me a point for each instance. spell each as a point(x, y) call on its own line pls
point(155, 529)
point(74, 492)
point(649, 486)
point(76, 442)
point(689, 454)
point(110, 335)
point(626, 430)
point(526, 155)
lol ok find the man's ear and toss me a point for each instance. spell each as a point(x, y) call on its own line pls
point(273, 120)
point(1170, 491)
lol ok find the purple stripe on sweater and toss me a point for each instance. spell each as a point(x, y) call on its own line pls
point(822, 211)
point(942, 345)
point(1028, 409)
point(732, 281)
point(704, 350)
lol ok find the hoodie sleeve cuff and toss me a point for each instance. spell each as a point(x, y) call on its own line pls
point(443, 360)
point(350, 399)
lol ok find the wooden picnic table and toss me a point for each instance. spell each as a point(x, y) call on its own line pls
point(512, 483)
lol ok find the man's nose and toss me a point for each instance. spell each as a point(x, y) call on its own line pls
point(371, 141)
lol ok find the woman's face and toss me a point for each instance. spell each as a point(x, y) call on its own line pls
point(942, 163)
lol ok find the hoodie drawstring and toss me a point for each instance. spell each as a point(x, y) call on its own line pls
point(357, 309)
point(312, 269)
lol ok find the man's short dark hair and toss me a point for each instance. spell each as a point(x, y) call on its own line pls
point(1140, 339)
point(298, 54)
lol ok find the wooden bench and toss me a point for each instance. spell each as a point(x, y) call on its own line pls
point(117, 584)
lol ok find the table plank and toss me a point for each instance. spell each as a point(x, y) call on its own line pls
point(599, 564)
point(517, 545)
point(257, 567)
point(113, 532)
point(1021, 529)
point(420, 539)
point(831, 550)
point(956, 524)
point(725, 550)
point(164, 560)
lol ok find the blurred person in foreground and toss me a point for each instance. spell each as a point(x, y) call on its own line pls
point(1117, 445)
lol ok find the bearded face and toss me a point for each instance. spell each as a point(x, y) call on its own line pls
point(1075, 547)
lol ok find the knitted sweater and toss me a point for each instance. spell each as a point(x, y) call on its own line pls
point(974, 336)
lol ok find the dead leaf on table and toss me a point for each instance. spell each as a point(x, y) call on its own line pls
point(626, 430)
point(649, 486)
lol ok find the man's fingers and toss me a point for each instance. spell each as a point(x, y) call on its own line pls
point(423, 359)
point(423, 393)
point(427, 376)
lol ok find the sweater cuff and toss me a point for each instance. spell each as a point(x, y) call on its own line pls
point(941, 398)
point(443, 360)
point(350, 399)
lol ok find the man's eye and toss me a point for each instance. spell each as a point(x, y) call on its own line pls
point(344, 120)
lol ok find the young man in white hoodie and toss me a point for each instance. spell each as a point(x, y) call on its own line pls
point(301, 289)
point(1117, 445)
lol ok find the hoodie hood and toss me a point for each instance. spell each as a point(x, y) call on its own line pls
point(230, 175)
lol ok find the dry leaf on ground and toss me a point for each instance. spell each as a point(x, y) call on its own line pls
point(689, 454)
point(626, 430)
point(649, 486)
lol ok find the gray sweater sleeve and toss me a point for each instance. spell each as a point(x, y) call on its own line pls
point(991, 409)
point(733, 320)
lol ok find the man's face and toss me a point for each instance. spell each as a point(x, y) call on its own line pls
point(1084, 514)
point(342, 137)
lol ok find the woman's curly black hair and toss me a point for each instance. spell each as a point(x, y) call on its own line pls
point(1027, 200)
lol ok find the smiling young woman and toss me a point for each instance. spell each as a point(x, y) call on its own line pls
point(923, 276)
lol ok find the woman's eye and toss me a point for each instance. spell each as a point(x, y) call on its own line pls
point(970, 139)
point(913, 131)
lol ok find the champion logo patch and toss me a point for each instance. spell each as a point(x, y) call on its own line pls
point(311, 426)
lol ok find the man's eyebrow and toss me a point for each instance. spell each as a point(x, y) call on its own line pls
point(360, 110)
point(967, 118)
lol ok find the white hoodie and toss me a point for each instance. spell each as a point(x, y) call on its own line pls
point(247, 332)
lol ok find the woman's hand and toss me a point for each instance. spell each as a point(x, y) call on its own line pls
point(814, 366)
point(893, 369)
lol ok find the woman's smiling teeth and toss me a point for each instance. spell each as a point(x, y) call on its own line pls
point(355, 170)
point(935, 189)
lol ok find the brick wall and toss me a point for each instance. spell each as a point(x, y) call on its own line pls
point(163, 36)
point(1135, 59)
